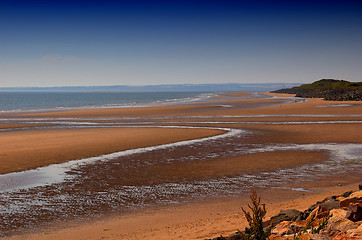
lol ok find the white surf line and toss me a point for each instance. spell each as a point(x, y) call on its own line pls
point(293, 189)
point(76, 120)
point(338, 105)
point(56, 173)
point(341, 151)
point(74, 125)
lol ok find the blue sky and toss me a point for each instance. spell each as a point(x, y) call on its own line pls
point(57, 43)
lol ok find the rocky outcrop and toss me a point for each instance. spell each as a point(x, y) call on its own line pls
point(338, 223)
point(326, 94)
point(355, 197)
point(340, 215)
point(328, 89)
point(334, 218)
point(327, 204)
point(357, 233)
point(354, 212)
point(285, 215)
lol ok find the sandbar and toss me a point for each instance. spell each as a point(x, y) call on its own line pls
point(23, 150)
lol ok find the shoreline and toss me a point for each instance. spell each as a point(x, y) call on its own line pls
point(173, 221)
point(201, 96)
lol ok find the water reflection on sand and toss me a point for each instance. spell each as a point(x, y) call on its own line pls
point(144, 177)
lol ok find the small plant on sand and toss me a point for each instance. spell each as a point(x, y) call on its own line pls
point(255, 220)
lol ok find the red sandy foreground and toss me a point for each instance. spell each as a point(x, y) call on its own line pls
point(27, 149)
point(192, 221)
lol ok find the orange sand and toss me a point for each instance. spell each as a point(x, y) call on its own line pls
point(192, 221)
point(209, 218)
point(30, 149)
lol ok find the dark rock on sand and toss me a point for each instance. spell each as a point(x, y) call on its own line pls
point(355, 197)
point(286, 215)
point(354, 212)
point(347, 194)
point(328, 204)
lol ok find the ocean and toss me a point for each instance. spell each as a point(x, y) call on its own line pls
point(42, 101)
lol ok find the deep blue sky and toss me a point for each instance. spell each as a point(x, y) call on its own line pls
point(54, 43)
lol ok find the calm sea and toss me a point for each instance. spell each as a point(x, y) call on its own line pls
point(38, 101)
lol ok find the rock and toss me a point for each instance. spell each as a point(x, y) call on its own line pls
point(328, 203)
point(275, 237)
point(234, 236)
point(347, 194)
point(304, 236)
point(360, 187)
point(317, 237)
point(288, 228)
point(298, 226)
point(355, 197)
point(329, 89)
point(354, 212)
point(317, 213)
point(338, 223)
point(340, 198)
point(343, 236)
point(307, 212)
point(282, 229)
point(286, 215)
point(355, 232)
point(356, 194)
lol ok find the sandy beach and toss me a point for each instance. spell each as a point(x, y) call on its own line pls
point(32, 149)
point(157, 120)
point(191, 221)
point(267, 135)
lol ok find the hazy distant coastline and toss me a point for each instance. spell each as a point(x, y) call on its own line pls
point(162, 88)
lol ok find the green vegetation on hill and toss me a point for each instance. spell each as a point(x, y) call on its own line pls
point(328, 89)
point(331, 83)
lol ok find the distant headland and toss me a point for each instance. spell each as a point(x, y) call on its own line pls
point(328, 89)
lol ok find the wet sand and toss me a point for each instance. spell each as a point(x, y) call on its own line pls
point(208, 219)
point(277, 124)
point(36, 148)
